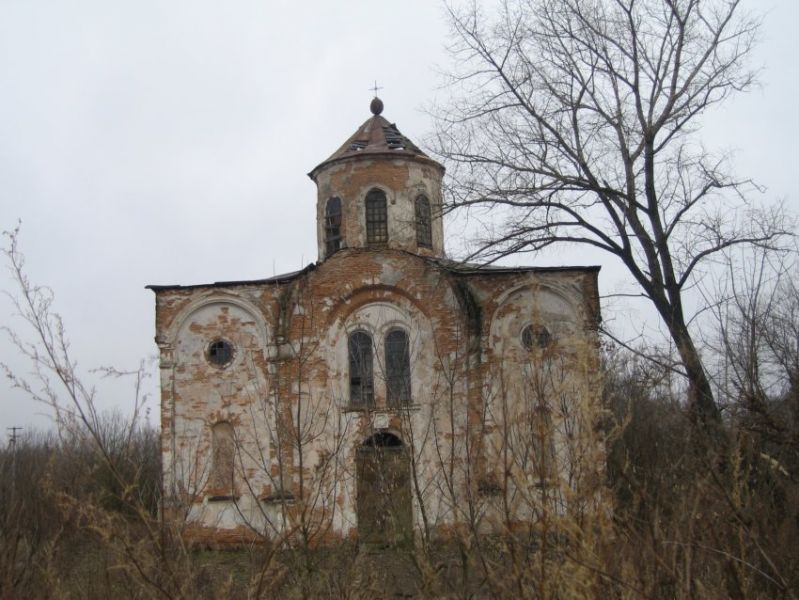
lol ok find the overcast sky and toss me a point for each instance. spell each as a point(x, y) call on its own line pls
point(159, 142)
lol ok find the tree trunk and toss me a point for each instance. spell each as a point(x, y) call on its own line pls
point(704, 411)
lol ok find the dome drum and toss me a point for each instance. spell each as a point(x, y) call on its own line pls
point(378, 160)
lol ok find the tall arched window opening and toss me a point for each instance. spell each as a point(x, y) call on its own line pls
point(424, 226)
point(376, 217)
point(333, 225)
point(362, 388)
point(543, 447)
point(398, 369)
point(223, 459)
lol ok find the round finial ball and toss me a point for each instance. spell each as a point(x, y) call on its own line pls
point(376, 106)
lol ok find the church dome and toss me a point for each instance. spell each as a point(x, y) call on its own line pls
point(379, 191)
point(375, 137)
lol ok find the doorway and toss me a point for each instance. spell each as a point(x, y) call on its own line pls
point(384, 507)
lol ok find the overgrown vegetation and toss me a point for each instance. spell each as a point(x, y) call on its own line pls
point(80, 514)
point(701, 525)
point(684, 525)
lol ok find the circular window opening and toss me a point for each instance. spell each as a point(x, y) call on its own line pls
point(220, 353)
point(536, 336)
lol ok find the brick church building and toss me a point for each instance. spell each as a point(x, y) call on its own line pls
point(384, 392)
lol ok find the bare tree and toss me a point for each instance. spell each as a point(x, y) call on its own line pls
point(756, 342)
point(574, 121)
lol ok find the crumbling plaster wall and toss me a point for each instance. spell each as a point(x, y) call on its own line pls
point(542, 401)
point(291, 351)
point(374, 292)
point(197, 394)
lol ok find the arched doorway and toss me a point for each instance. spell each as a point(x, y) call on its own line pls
point(384, 491)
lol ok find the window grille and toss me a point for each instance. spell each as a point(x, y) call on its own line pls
point(361, 377)
point(220, 353)
point(376, 218)
point(398, 369)
point(424, 229)
point(333, 226)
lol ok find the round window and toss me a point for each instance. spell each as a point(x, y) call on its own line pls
point(536, 336)
point(220, 353)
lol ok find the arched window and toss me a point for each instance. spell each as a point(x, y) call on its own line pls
point(332, 225)
point(223, 459)
point(543, 447)
point(361, 379)
point(376, 217)
point(398, 368)
point(424, 227)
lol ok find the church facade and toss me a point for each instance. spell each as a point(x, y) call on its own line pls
point(385, 392)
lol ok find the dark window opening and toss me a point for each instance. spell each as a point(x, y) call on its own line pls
point(398, 369)
point(358, 145)
point(362, 393)
point(383, 439)
point(376, 217)
point(489, 485)
point(220, 353)
point(333, 238)
point(536, 337)
point(424, 226)
point(279, 497)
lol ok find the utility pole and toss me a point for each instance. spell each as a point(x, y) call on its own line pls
point(13, 443)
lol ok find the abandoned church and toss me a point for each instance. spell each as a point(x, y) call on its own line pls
point(385, 392)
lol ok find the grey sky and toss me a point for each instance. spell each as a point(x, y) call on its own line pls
point(168, 142)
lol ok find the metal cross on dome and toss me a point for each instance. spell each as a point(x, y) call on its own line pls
point(375, 88)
